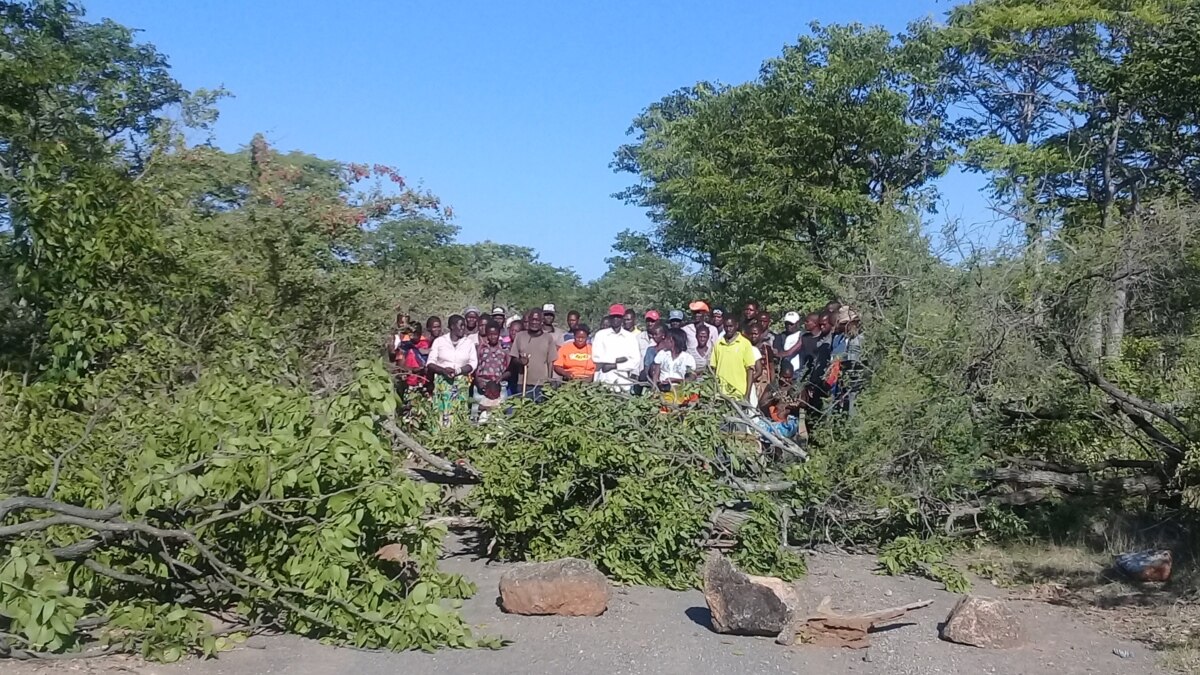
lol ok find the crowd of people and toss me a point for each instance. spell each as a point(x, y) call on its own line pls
point(812, 365)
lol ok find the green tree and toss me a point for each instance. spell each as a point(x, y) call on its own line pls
point(775, 179)
point(90, 86)
point(513, 276)
point(640, 277)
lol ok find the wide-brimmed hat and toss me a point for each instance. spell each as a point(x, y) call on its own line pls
point(698, 306)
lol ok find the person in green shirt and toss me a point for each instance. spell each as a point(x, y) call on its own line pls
point(733, 360)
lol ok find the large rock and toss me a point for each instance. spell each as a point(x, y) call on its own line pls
point(567, 587)
point(982, 622)
point(742, 604)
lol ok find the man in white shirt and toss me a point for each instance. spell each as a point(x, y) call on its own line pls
point(699, 316)
point(616, 353)
point(788, 345)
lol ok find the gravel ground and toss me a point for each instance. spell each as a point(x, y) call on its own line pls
point(649, 630)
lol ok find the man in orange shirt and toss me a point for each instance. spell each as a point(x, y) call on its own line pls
point(574, 360)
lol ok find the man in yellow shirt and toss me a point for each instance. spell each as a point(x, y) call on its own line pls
point(733, 360)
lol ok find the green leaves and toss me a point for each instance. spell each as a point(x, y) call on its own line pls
point(294, 493)
point(607, 478)
point(35, 598)
point(924, 557)
point(775, 179)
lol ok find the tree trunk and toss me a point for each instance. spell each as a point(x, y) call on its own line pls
point(1095, 337)
point(1116, 320)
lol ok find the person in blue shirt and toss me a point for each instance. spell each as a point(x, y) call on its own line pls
point(657, 333)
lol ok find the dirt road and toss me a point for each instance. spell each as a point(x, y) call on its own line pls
point(648, 630)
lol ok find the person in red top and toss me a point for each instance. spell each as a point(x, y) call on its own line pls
point(415, 358)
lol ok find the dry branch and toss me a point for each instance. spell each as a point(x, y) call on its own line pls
point(443, 466)
point(824, 628)
point(774, 440)
point(1085, 468)
point(1074, 483)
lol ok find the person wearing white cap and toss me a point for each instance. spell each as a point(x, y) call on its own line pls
point(548, 313)
point(471, 319)
point(788, 344)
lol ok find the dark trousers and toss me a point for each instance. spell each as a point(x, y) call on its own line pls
point(533, 392)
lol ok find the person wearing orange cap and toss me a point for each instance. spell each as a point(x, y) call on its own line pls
point(616, 352)
point(699, 317)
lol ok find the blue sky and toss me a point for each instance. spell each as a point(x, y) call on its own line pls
point(508, 111)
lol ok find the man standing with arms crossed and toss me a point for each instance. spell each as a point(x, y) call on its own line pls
point(616, 352)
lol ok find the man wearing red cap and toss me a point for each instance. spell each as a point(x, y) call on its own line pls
point(616, 353)
point(699, 316)
point(644, 337)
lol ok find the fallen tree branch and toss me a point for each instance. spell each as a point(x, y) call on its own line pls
point(824, 628)
point(443, 466)
point(1085, 468)
point(456, 522)
point(772, 439)
point(1175, 454)
point(15, 504)
point(1122, 486)
point(767, 486)
point(1092, 376)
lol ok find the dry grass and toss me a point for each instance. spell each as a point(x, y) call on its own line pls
point(1164, 616)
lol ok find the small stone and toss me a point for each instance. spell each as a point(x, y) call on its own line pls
point(567, 587)
point(982, 622)
point(742, 604)
point(1123, 653)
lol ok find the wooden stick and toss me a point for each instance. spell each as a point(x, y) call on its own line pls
point(443, 466)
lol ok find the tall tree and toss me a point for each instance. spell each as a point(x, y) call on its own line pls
point(1047, 120)
point(774, 179)
point(642, 278)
